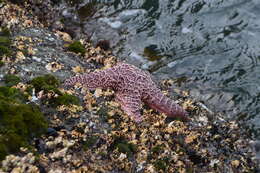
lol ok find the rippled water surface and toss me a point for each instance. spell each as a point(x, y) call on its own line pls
point(212, 46)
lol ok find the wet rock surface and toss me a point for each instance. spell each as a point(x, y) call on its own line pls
point(96, 136)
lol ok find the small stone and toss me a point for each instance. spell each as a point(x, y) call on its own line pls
point(53, 66)
point(17, 170)
point(31, 51)
point(20, 56)
point(52, 132)
point(235, 163)
point(59, 154)
point(122, 157)
point(78, 69)
point(64, 36)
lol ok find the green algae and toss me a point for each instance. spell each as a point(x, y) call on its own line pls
point(1, 63)
point(160, 165)
point(11, 80)
point(90, 142)
point(49, 83)
point(5, 32)
point(18, 2)
point(103, 113)
point(12, 94)
point(152, 53)
point(19, 122)
point(124, 146)
point(87, 10)
point(5, 44)
point(64, 99)
point(5, 41)
point(157, 149)
point(4, 50)
point(77, 47)
point(46, 82)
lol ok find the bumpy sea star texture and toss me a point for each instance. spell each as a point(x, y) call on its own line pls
point(132, 86)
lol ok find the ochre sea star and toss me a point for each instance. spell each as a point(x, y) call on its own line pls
point(132, 86)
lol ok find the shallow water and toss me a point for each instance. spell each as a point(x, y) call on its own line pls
point(211, 46)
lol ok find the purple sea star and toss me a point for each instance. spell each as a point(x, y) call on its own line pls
point(132, 86)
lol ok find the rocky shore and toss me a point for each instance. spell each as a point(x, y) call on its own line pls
point(86, 131)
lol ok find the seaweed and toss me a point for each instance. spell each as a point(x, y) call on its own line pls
point(123, 146)
point(90, 141)
point(5, 31)
point(64, 99)
point(1, 63)
point(77, 47)
point(46, 82)
point(19, 122)
point(11, 80)
point(160, 165)
point(5, 44)
point(49, 83)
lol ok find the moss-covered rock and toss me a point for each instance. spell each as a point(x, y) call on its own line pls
point(46, 83)
point(77, 47)
point(19, 122)
point(11, 80)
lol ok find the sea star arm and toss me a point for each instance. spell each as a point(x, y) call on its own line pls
point(103, 79)
point(160, 102)
point(130, 104)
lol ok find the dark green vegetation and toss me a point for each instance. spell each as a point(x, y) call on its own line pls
point(157, 149)
point(77, 47)
point(5, 44)
point(46, 82)
point(5, 32)
point(1, 63)
point(102, 112)
point(90, 141)
point(123, 146)
point(64, 99)
point(152, 53)
point(19, 2)
point(19, 122)
point(160, 164)
point(87, 10)
point(49, 83)
point(11, 80)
